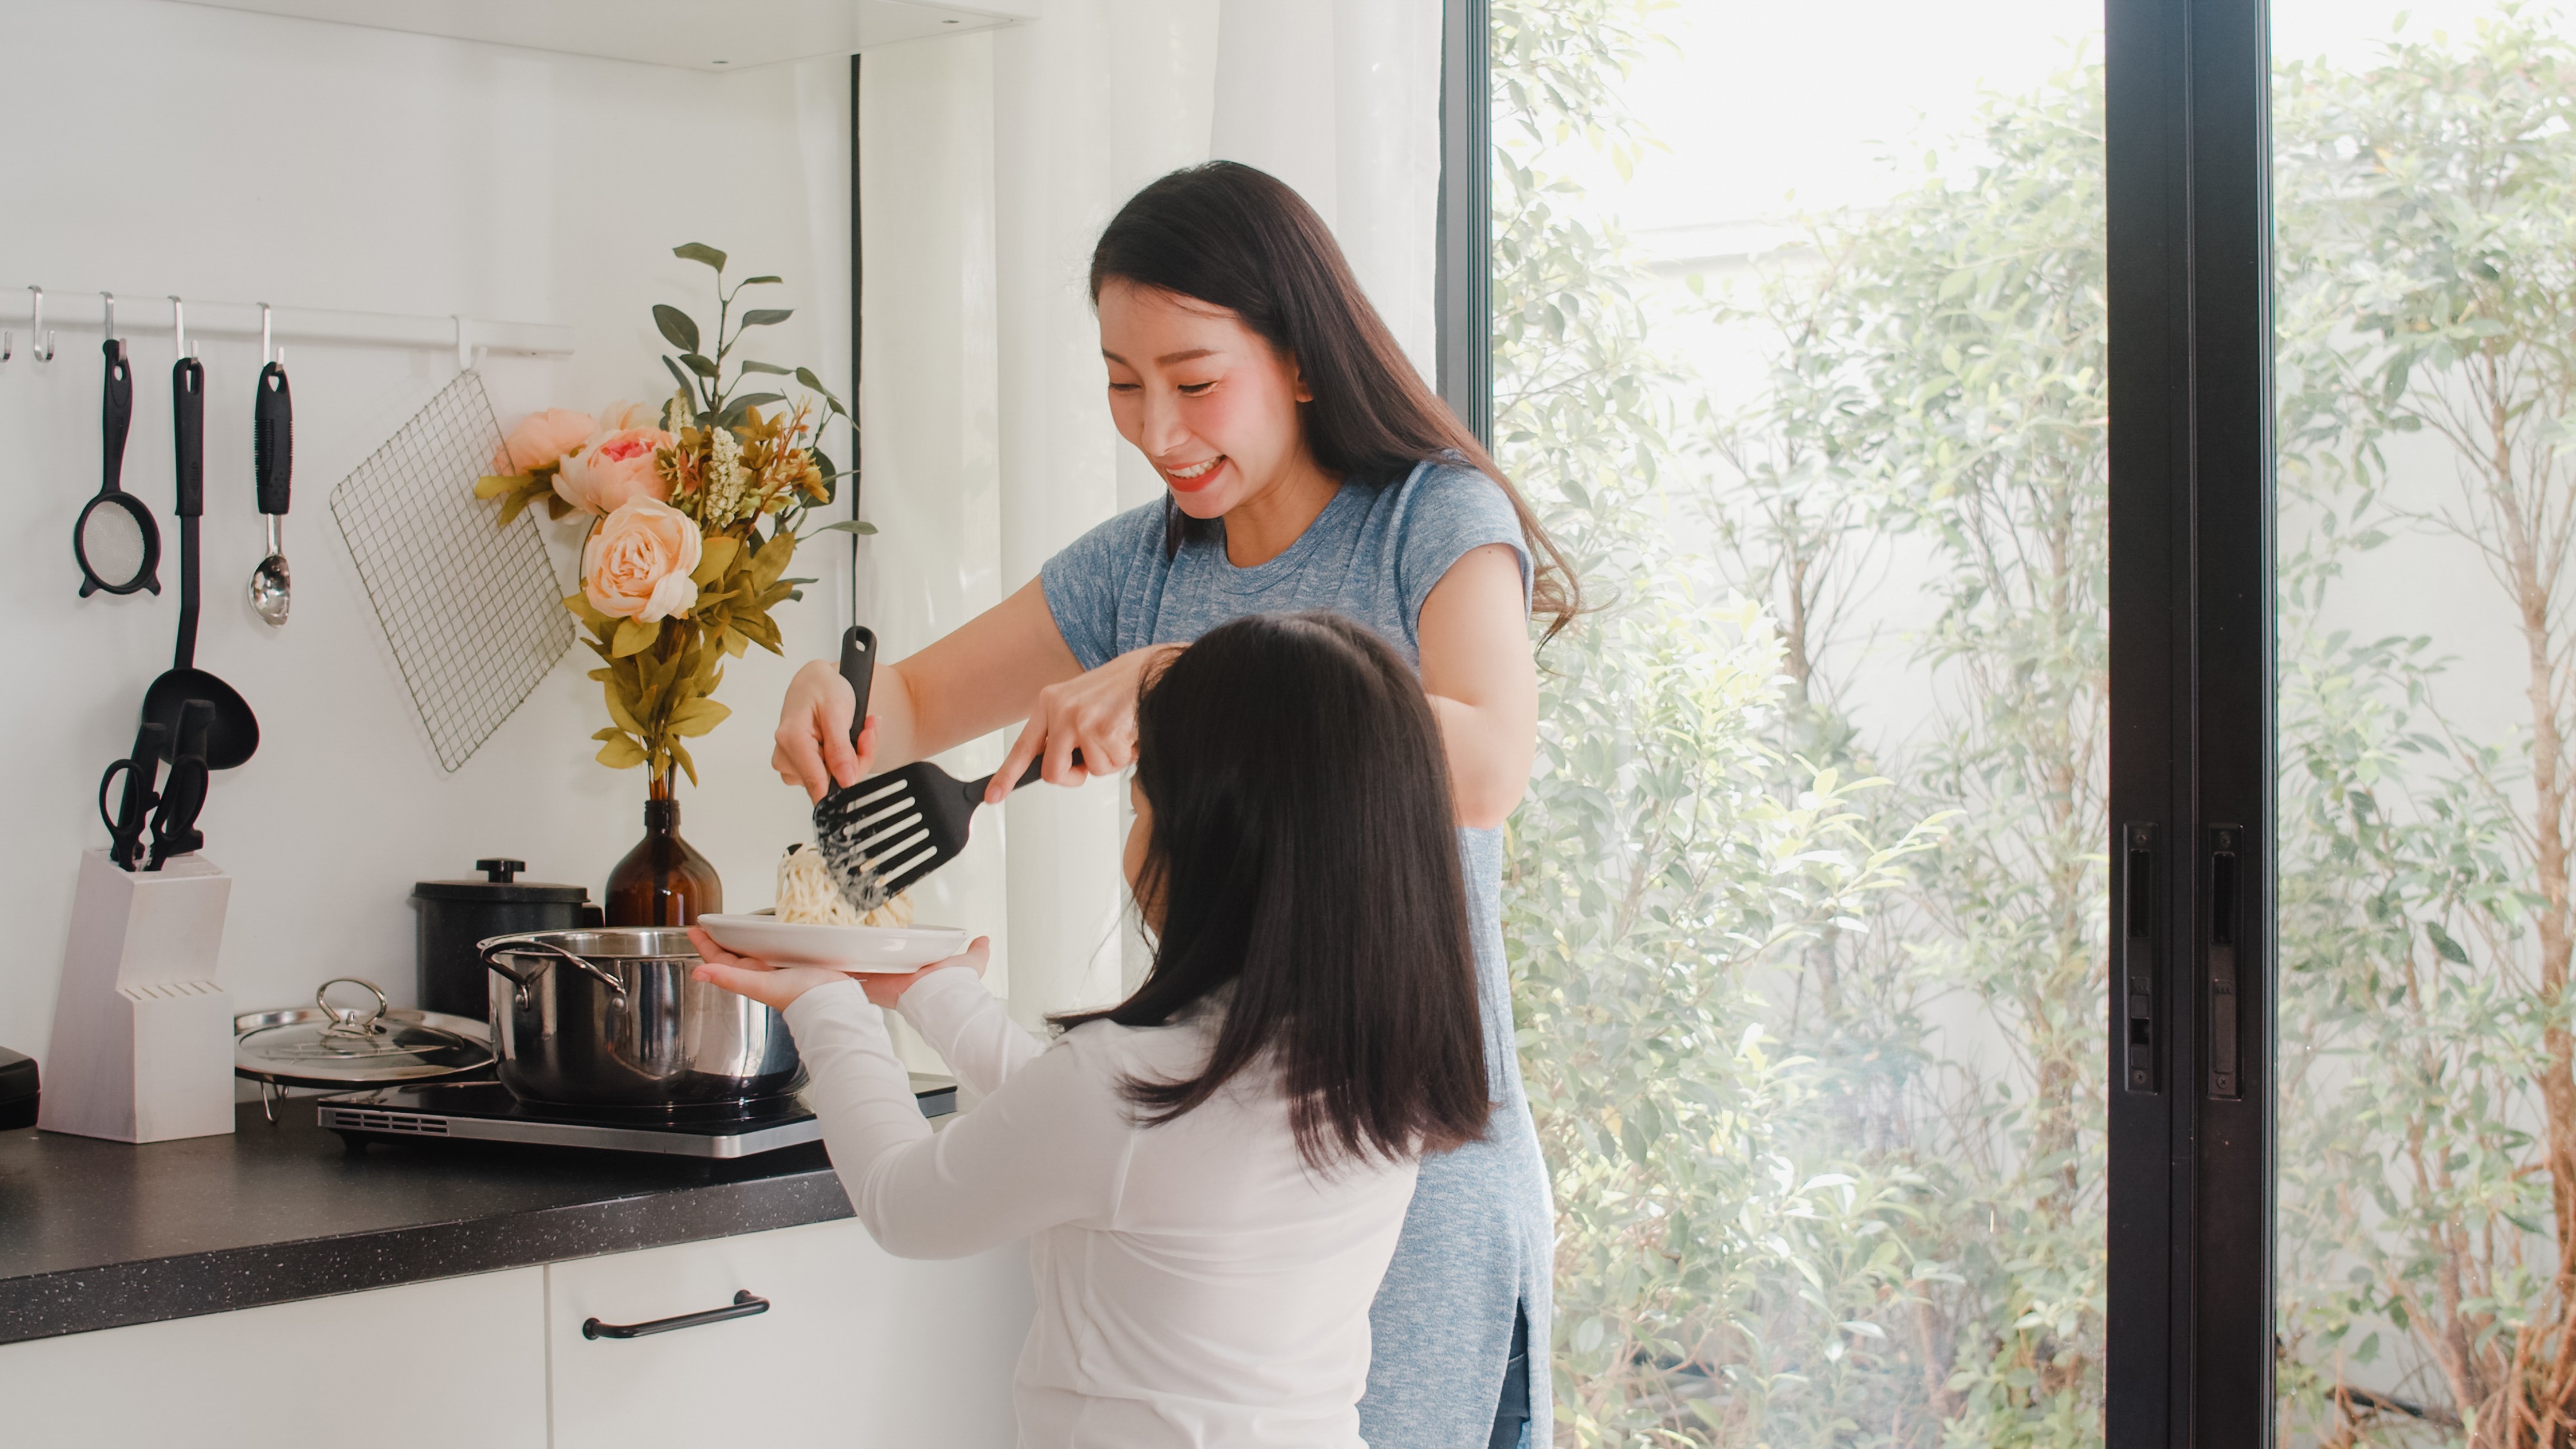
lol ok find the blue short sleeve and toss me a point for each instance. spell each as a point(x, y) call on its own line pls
point(1085, 582)
point(1449, 512)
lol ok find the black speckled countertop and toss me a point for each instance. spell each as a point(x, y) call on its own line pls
point(102, 1234)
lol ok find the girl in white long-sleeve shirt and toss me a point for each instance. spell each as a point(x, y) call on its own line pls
point(1214, 1172)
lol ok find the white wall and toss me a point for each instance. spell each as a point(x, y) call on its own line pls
point(243, 158)
point(169, 148)
point(931, 459)
point(1090, 103)
point(1342, 101)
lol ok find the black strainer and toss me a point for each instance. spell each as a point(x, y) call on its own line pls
point(116, 541)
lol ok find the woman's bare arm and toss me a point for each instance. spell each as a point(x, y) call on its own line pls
point(985, 675)
point(1010, 663)
point(1483, 683)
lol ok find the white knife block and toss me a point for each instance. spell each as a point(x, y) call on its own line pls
point(143, 1037)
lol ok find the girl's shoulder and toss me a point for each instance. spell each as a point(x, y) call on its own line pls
point(1178, 1044)
point(1176, 1050)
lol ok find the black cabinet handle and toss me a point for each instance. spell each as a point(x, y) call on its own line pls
point(744, 1306)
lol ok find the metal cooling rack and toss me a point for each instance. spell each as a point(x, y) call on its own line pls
point(473, 613)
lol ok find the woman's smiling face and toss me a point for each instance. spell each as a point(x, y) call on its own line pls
point(1207, 401)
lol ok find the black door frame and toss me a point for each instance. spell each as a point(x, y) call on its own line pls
point(2190, 1040)
point(2192, 743)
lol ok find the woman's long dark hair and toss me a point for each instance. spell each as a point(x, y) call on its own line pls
point(1239, 238)
point(1303, 858)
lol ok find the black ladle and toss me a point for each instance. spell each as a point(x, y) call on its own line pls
point(116, 541)
point(234, 734)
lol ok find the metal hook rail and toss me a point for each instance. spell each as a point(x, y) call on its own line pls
point(464, 336)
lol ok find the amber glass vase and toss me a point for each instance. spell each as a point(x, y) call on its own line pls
point(663, 881)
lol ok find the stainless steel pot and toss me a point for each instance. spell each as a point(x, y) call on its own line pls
point(609, 1017)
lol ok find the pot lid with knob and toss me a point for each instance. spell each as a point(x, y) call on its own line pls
point(501, 886)
point(340, 1046)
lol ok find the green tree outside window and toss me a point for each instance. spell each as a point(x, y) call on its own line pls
point(1793, 1209)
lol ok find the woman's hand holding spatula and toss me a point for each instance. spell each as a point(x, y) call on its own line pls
point(885, 832)
point(1006, 666)
point(1083, 726)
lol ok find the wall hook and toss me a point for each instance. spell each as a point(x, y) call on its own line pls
point(264, 348)
point(464, 348)
point(179, 326)
point(40, 343)
point(107, 304)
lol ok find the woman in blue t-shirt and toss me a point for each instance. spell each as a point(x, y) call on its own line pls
point(1309, 467)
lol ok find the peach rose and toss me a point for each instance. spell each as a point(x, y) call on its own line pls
point(612, 469)
point(619, 416)
point(542, 438)
point(638, 560)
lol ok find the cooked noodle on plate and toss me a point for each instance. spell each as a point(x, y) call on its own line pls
point(807, 895)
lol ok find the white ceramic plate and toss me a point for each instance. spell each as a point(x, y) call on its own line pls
point(843, 948)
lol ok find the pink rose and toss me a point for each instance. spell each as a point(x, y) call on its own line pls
point(613, 469)
point(541, 438)
point(638, 560)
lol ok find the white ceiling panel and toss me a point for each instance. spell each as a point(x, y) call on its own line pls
point(699, 34)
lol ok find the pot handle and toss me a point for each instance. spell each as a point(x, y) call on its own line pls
point(597, 972)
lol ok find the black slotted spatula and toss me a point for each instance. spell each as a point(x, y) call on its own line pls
point(888, 831)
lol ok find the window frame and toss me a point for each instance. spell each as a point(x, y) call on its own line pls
point(1462, 277)
point(856, 458)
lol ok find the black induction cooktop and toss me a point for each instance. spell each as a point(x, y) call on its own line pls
point(484, 1111)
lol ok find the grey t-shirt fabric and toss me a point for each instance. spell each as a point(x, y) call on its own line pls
point(1477, 1238)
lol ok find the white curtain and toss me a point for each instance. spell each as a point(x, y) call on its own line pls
point(1340, 98)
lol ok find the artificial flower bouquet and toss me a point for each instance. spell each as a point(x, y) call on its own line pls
point(678, 572)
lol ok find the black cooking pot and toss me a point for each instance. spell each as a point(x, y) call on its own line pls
point(17, 1090)
point(455, 914)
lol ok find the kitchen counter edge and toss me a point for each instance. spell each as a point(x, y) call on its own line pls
point(162, 1287)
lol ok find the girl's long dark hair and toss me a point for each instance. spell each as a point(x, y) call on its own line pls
point(1239, 238)
point(1303, 859)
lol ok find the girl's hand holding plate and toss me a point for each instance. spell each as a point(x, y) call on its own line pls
point(777, 986)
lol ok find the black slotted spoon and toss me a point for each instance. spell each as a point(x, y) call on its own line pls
point(886, 832)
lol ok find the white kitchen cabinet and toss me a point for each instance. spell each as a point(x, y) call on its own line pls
point(432, 1365)
point(857, 1348)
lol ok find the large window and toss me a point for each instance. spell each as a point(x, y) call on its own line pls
point(2047, 913)
point(1799, 342)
